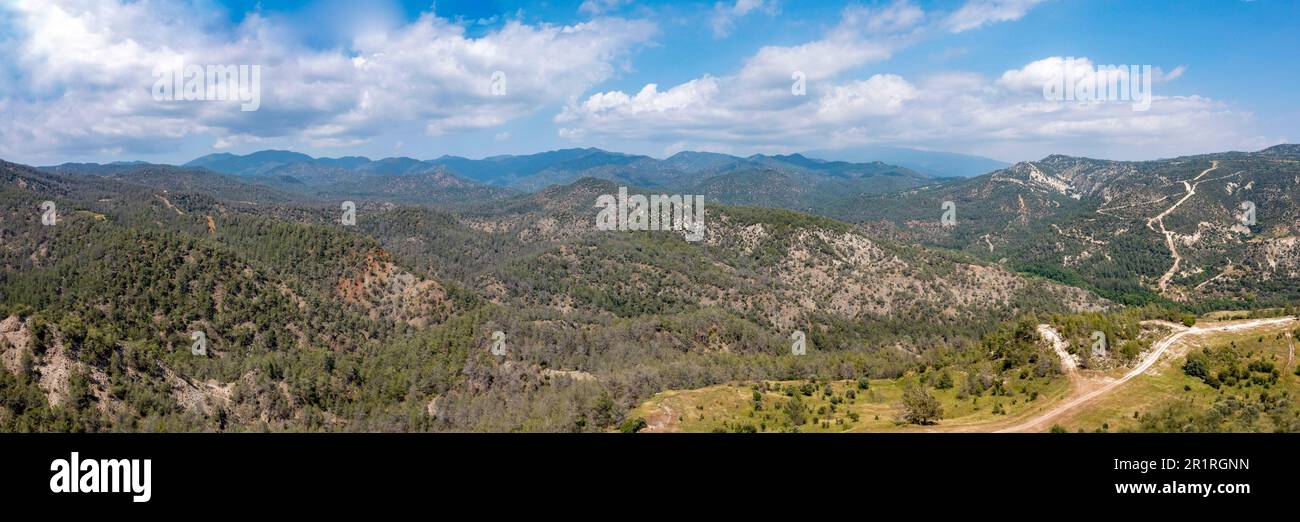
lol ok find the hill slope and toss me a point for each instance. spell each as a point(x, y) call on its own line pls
point(386, 325)
point(1138, 231)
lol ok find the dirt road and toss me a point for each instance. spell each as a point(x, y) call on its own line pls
point(1044, 420)
point(1169, 235)
point(1290, 351)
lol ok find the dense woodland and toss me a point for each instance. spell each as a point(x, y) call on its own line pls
point(387, 325)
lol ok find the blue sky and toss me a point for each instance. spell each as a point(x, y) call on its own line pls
point(414, 78)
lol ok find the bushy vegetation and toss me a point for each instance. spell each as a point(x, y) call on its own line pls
point(386, 326)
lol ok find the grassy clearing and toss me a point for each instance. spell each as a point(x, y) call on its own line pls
point(1230, 315)
point(1122, 409)
point(847, 407)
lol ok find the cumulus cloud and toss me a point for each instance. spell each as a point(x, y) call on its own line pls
point(863, 35)
point(1055, 69)
point(77, 80)
point(1008, 115)
point(880, 95)
point(756, 105)
point(82, 72)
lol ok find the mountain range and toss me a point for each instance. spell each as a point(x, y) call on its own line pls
point(1087, 222)
point(757, 179)
point(313, 323)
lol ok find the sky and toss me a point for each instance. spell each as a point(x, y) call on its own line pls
point(81, 80)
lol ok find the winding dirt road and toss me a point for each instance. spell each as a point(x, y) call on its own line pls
point(1169, 235)
point(1042, 421)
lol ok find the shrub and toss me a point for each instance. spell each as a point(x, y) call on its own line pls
point(1195, 366)
point(794, 410)
point(944, 381)
point(919, 407)
point(633, 425)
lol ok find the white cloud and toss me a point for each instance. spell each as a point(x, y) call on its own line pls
point(978, 13)
point(723, 20)
point(1171, 75)
point(1031, 77)
point(756, 103)
point(882, 94)
point(862, 36)
point(1005, 116)
point(82, 75)
point(77, 77)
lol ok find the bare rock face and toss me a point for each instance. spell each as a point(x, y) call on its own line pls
point(386, 291)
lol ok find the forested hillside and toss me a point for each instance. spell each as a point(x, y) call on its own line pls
point(181, 298)
point(311, 324)
point(1172, 231)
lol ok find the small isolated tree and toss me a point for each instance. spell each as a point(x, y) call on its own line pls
point(944, 381)
point(1189, 320)
point(794, 409)
point(919, 407)
point(1195, 366)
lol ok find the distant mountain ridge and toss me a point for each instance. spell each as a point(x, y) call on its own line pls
point(722, 176)
point(793, 181)
point(934, 163)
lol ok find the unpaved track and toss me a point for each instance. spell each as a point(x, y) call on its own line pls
point(1169, 235)
point(1041, 421)
point(1049, 334)
point(663, 420)
point(1290, 351)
